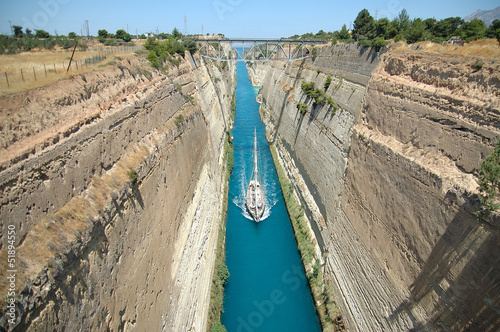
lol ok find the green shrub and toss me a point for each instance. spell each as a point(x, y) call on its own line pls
point(328, 82)
point(218, 327)
point(175, 62)
point(307, 88)
point(365, 42)
point(314, 52)
point(178, 120)
point(333, 105)
point(489, 180)
point(316, 269)
point(478, 65)
point(132, 175)
point(302, 108)
point(190, 45)
point(319, 97)
point(378, 43)
point(399, 37)
point(317, 94)
point(223, 273)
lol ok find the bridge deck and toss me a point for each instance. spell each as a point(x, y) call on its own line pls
point(259, 49)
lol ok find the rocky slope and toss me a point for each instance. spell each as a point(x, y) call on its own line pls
point(121, 173)
point(389, 180)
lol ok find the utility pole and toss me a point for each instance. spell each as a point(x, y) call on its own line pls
point(185, 26)
point(11, 31)
point(202, 29)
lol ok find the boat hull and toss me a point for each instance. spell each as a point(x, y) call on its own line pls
point(255, 200)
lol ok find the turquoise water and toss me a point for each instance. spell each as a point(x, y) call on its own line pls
point(267, 289)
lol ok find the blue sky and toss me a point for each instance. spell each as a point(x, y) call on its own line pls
point(234, 18)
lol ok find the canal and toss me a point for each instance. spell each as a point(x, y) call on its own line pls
point(267, 289)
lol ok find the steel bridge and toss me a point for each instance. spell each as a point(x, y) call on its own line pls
point(248, 49)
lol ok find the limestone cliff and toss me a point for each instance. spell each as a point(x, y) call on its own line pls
point(388, 176)
point(121, 176)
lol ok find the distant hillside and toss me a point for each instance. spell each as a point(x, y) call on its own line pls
point(487, 16)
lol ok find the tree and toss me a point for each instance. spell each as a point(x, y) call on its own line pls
point(190, 45)
point(123, 35)
point(176, 34)
point(473, 30)
point(404, 21)
point(490, 32)
point(41, 34)
point(18, 31)
point(416, 31)
point(447, 27)
point(392, 29)
point(102, 33)
point(321, 35)
point(344, 33)
point(382, 28)
point(72, 35)
point(364, 25)
point(28, 32)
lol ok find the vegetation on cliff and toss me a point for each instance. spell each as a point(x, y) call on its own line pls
point(489, 180)
point(324, 298)
point(318, 95)
point(368, 31)
point(160, 51)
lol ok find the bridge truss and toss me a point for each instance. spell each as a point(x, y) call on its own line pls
point(256, 49)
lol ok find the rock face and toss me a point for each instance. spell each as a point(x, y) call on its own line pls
point(392, 174)
point(125, 207)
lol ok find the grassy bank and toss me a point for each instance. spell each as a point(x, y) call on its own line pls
point(322, 291)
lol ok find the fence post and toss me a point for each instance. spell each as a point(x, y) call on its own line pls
point(22, 75)
point(34, 74)
point(55, 71)
point(44, 67)
point(7, 79)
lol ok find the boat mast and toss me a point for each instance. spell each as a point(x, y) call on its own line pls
point(255, 156)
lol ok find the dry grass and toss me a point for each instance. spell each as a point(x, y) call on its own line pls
point(55, 232)
point(43, 67)
point(488, 48)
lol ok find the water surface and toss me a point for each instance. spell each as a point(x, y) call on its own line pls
point(267, 289)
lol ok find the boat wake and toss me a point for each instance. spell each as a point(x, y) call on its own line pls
point(270, 196)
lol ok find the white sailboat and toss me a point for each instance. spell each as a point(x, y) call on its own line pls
point(255, 195)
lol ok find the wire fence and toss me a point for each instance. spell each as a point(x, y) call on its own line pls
point(40, 74)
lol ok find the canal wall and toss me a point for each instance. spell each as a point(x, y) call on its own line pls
point(114, 186)
point(388, 173)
